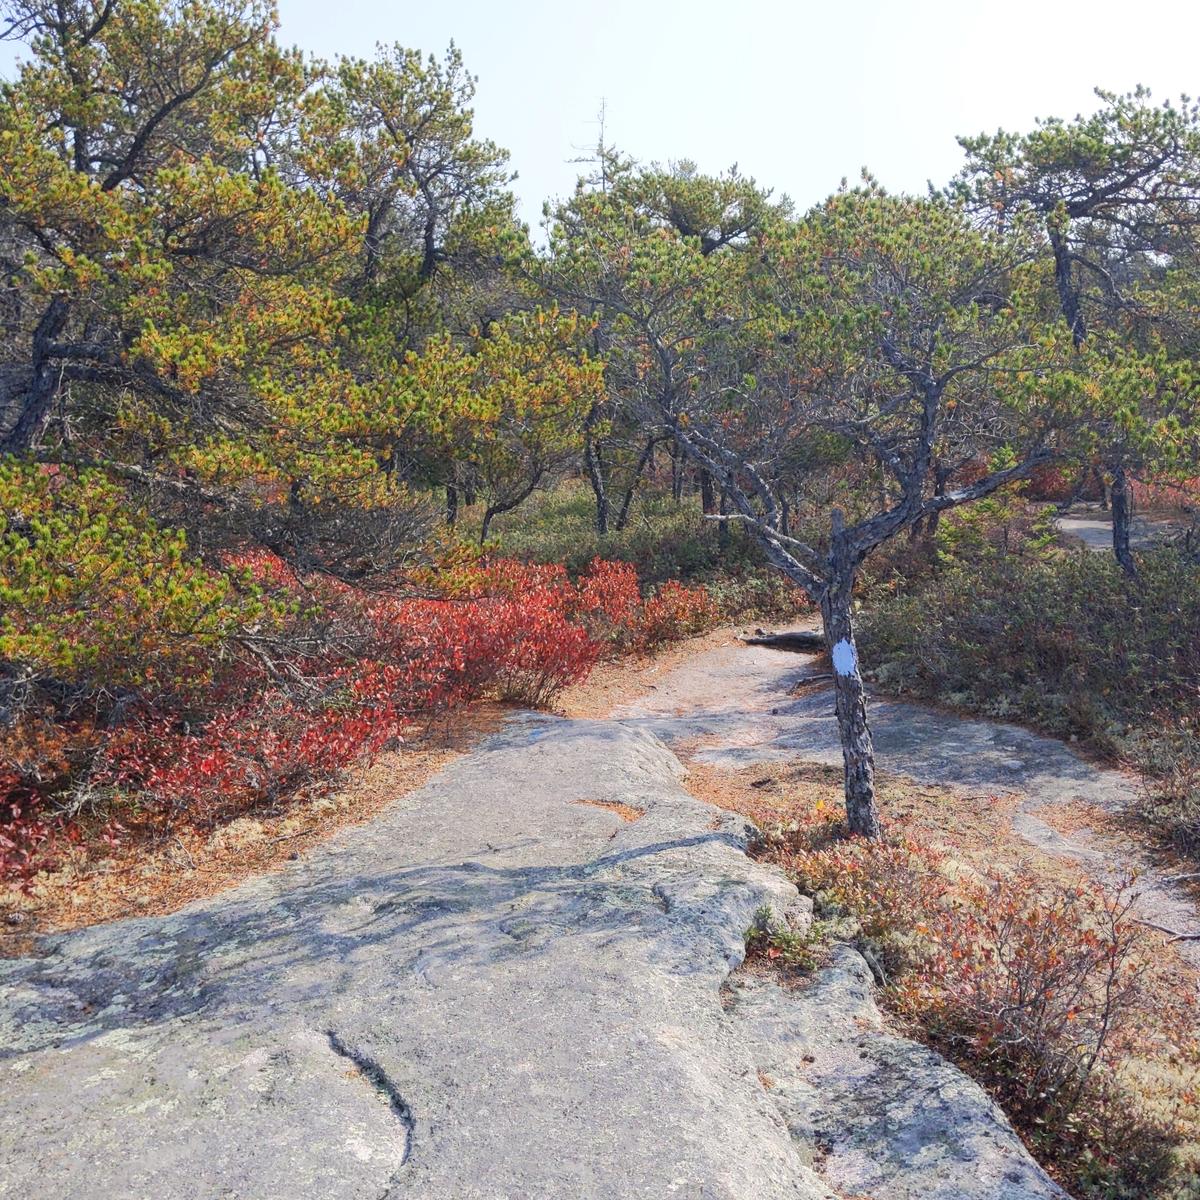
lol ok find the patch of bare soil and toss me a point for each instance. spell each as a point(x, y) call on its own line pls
point(159, 872)
point(974, 831)
point(625, 811)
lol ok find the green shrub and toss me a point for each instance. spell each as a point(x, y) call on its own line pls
point(662, 539)
point(1066, 643)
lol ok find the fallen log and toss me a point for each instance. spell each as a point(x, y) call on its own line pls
point(799, 641)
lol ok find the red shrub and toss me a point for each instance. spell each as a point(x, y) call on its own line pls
point(26, 841)
point(1038, 988)
point(1037, 983)
point(674, 612)
point(1052, 482)
point(341, 675)
point(1166, 494)
point(608, 603)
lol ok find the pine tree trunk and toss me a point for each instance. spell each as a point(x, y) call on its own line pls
point(642, 463)
point(677, 466)
point(488, 516)
point(1122, 519)
point(723, 526)
point(44, 381)
point(707, 501)
point(451, 504)
point(595, 472)
point(858, 752)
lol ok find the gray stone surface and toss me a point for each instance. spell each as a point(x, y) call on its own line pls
point(884, 1117)
point(491, 992)
point(734, 706)
point(1091, 526)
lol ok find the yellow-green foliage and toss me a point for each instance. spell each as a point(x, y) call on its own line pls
point(92, 590)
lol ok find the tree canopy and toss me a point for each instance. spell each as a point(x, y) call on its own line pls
point(254, 300)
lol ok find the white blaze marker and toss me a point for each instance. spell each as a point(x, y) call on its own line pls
point(845, 661)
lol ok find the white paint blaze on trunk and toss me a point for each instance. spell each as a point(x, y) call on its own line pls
point(845, 660)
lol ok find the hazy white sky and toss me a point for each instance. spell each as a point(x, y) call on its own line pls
point(798, 94)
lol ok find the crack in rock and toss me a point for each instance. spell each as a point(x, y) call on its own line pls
point(378, 1078)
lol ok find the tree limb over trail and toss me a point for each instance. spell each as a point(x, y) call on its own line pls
point(883, 337)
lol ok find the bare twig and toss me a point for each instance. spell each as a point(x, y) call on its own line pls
point(284, 837)
point(186, 853)
point(1173, 934)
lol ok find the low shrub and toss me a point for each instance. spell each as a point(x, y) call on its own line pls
point(1037, 989)
point(1065, 642)
point(324, 675)
point(765, 595)
point(664, 539)
point(1068, 642)
point(671, 613)
point(1169, 755)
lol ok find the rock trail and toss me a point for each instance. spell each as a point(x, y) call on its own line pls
point(737, 705)
point(501, 989)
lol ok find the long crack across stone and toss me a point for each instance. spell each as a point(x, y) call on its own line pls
point(378, 1078)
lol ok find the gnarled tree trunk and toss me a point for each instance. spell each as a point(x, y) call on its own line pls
point(858, 752)
point(1122, 520)
point(34, 406)
point(595, 473)
point(642, 463)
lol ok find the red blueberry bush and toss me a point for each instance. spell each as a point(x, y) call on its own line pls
point(1042, 989)
point(321, 675)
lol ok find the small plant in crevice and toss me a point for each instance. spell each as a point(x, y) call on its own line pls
point(785, 946)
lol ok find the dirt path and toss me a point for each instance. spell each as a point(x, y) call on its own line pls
point(1091, 526)
point(732, 705)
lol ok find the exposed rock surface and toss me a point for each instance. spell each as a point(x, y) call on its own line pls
point(1091, 526)
point(493, 991)
point(883, 1115)
point(738, 705)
